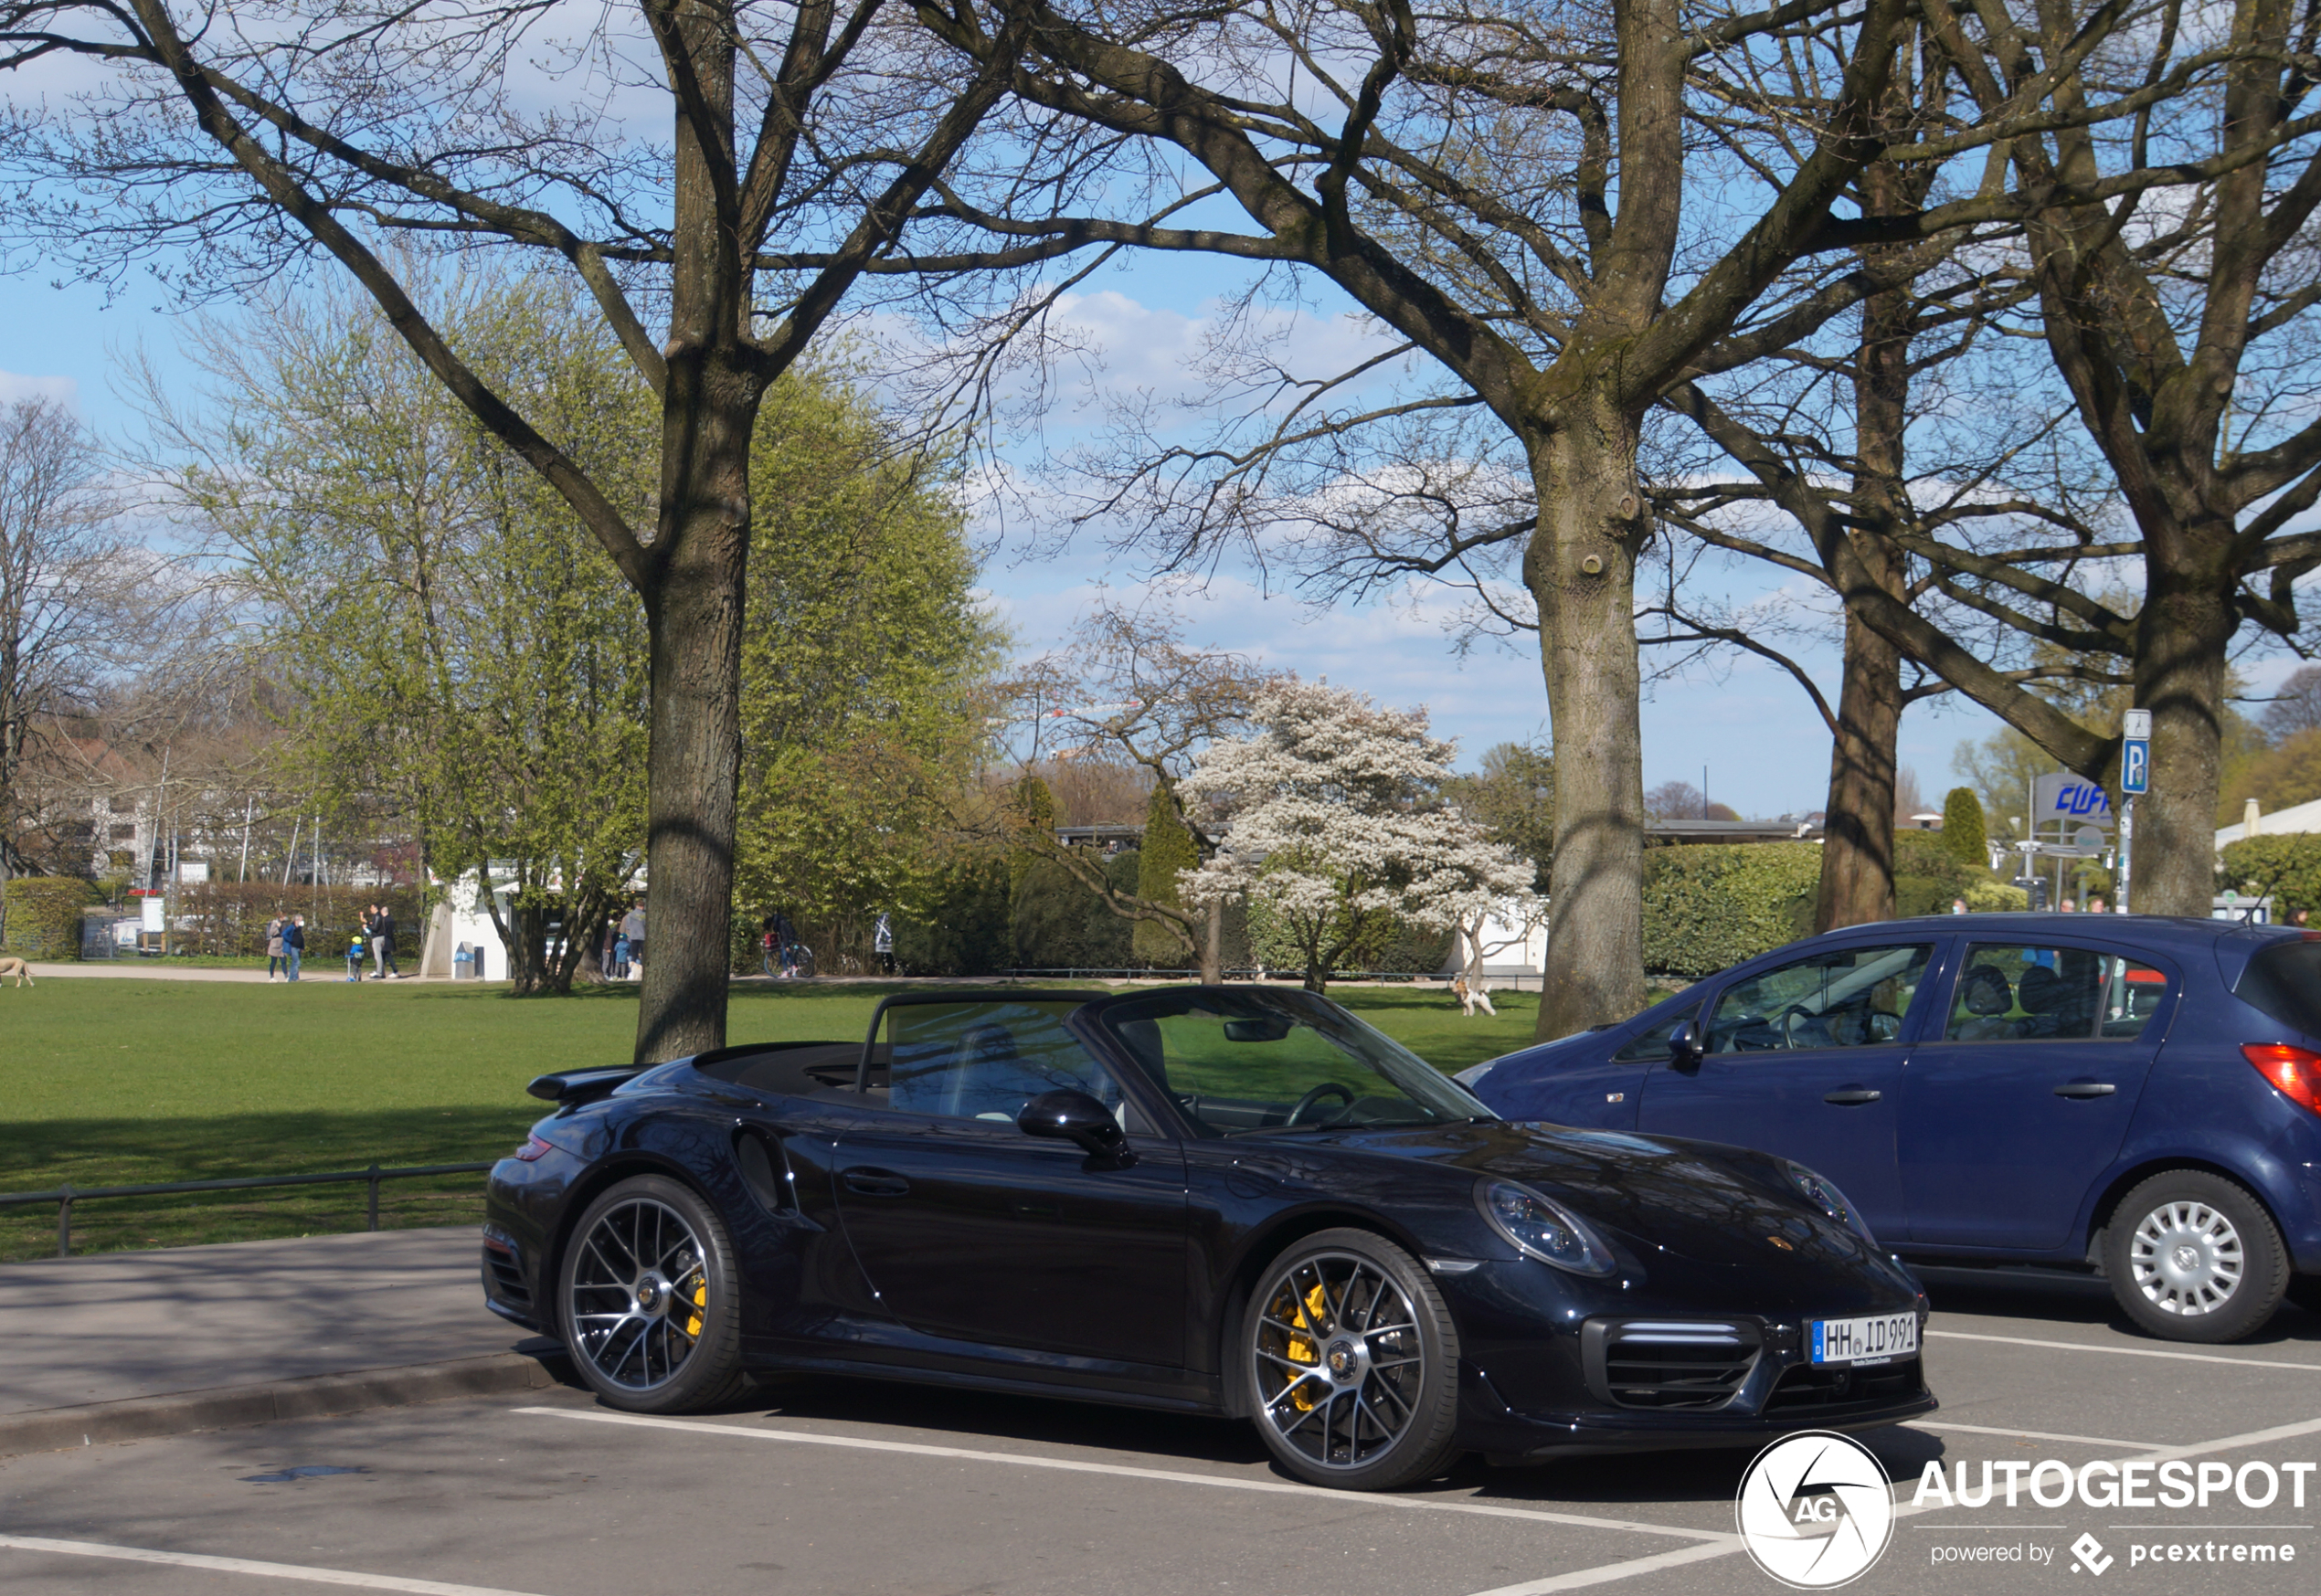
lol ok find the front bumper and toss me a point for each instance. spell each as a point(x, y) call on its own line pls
point(1553, 1367)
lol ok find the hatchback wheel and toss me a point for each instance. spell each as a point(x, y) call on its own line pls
point(2192, 1256)
point(647, 1306)
point(1352, 1362)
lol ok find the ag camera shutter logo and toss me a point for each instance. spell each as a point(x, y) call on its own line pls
point(1814, 1510)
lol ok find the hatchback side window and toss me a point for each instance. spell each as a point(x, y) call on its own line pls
point(2008, 992)
point(1849, 999)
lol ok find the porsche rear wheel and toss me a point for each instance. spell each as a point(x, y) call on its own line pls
point(1353, 1363)
point(648, 1307)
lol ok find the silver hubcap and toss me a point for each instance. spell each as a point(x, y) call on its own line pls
point(2186, 1259)
point(1338, 1359)
point(639, 1294)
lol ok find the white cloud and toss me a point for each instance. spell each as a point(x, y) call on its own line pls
point(65, 390)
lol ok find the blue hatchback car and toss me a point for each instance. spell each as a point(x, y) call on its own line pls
point(2130, 1093)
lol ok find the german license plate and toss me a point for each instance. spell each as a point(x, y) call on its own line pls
point(1863, 1341)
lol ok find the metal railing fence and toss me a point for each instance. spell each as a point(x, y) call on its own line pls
point(65, 1196)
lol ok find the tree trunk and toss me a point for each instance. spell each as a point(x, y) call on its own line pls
point(695, 617)
point(693, 593)
point(1590, 510)
point(1213, 944)
point(2182, 634)
point(1858, 848)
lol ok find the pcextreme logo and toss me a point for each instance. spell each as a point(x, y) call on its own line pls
point(1813, 1510)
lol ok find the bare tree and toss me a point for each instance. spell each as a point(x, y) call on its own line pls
point(68, 584)
point(1504, 188)
point(2297, 708)
point(268, 133)
point(2183, 333)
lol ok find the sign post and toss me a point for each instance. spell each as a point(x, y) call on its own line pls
point(2136, 776)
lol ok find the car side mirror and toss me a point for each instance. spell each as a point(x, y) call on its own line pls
point(1067, 1116)
point(1685, 1051)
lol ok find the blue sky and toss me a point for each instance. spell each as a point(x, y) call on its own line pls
point(1765, 748)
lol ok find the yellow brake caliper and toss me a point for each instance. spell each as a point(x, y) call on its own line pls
point(1303, 1350)
point(700, 1306)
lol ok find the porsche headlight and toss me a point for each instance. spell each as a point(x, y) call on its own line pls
point(1543, 1229)
point(1823, 1193)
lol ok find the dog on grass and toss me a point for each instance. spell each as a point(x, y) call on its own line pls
point(1471, 998)
point(12, 965)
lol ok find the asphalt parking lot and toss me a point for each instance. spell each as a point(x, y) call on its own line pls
point(857, 1489)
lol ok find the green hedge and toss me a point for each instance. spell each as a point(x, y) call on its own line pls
point(1928, 875)
point(958, 926)
point(1060, 924)
point(1709, 907)
point(2288, 866)
point(44, 915)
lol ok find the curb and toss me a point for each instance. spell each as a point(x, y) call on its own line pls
point(315, 1397)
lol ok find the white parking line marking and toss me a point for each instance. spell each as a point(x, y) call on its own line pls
point(2031, 1434)
point(2126, 1352)
point(2235, 1443)
point(186, 1560)
point(1173, 1477)
point(1606, 1572)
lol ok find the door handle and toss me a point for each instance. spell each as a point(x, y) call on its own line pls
point(2085, 1089)
point(876, 1183)
point(1851, 1096)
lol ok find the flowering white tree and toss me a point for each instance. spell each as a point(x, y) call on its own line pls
point(1339, 830)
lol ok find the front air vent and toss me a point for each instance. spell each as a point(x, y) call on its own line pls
point(503, 1272)
point(1670, 1363)
point(1809, 1386)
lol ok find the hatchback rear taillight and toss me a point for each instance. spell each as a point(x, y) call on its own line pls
point(2294, 1072)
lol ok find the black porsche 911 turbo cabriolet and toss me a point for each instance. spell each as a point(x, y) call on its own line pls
point(1226, 1200)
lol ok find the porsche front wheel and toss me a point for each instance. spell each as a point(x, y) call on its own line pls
point(647, 1303)
point(1352, 1362)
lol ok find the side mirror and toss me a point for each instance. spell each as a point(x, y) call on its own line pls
point(1074, 1117)
point(1685, 1051)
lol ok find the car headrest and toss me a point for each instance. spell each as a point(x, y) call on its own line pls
point(2042, 991)
point(1986, 991)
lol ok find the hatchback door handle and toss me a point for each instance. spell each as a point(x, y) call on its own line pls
point(876, 1183)
point(2085, 1089)
point(1851, 1096)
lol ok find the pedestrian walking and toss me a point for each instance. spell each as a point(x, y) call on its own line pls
point(274, 948)
point(355, 954)
point(785, 945)
point(383, 944)
point(882, 942)
point(632, 932)
point(293, 946)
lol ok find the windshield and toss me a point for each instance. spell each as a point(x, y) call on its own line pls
point(1245, 1064)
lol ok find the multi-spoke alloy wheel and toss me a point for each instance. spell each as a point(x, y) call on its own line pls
point(1351, 1352)
point(2194, 1257)
point(2186, 1259)
point(647, 1310)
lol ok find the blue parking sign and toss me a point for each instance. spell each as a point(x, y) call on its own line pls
point(2135, 765)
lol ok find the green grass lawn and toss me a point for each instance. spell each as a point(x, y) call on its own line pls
point(120, 1083)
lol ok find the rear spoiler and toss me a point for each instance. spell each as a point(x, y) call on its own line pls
point(575, 1086)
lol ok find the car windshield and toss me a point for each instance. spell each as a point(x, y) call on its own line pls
point(1248, 1064)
